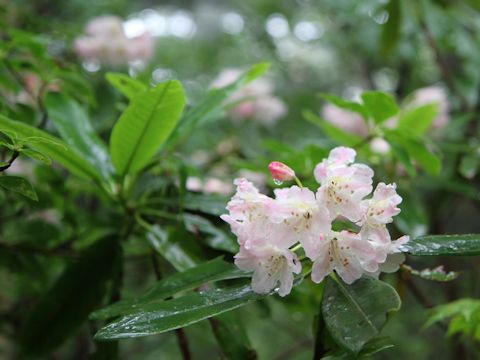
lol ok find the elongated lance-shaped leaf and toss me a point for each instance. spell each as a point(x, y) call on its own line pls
point(145, 125)
point(210, 271)
point(435, 245)
point(214, 100)
point(53, 147)
point(172, 314)
point(71, 121)
point(354, 314)
point(126, 85)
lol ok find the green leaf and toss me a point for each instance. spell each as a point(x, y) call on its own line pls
point(354, 314)
point(469, 165)
point(391, 29)
point(231, 337)
point(210, 271)
point(214, 100)
point(172, 314)
point(347, 105)
point(176, 246)
point(53, 147)
point(416, 151)
point(216, 238)
point(436, 274)
point(72, 122)
point(19, 185)
point(145, 125)
point(464, 314)
point(380, 105)
point(126, 85)
point(418, 120)
point(36, 155)
point(208, 204)
point(338, 135)
point(66, 306)
point(434, 245)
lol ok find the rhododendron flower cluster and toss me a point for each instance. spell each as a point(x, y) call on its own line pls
point(106, 41)
point(254, 100)
point(270, 231)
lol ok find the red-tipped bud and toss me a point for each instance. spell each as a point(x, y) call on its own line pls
point(281, 172)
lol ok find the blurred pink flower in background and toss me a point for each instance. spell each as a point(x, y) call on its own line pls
point(254, 100)
point(433, 94)
point(346, 120)
point(106, 41)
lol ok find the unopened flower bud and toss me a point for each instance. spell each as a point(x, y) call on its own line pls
point(281, 172)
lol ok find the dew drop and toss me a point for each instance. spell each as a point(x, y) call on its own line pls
point(278, 182)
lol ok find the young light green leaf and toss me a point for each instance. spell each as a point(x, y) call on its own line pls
point(72, 122)
point(436, 245)
point(53, 147)
point(210, 271)
point(418, 120)
point(126, 85)
point(469, 165)
point(19, 185)
point(338, 135)
point(172, 314)
point(380, 105)
point(145, 125)
point(436, 274)
point(66, 306)
point(214, 100)
point(355, 314)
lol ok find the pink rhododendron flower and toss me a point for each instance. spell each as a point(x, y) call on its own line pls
point(270, 230)
point(343, 184)
point(347, 254)
point(270, 265)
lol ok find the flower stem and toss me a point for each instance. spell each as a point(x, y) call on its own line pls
point(299, 183)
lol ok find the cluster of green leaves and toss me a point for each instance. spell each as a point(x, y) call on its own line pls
point(407, 140)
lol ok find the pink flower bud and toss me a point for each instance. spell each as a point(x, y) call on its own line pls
point(281, 172)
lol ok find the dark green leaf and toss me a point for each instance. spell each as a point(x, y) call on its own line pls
point(176, 246)
point(215, 238)
point(208, 204)
point(72, 122)
point(19, 185)
point(469, 165)
point(354, 314)
point(391, 29)
point(126, 85)
point(66, 306)
point(380, 105)
point(145, 125)
point(210, 271)
point(51, 146)
point(434, 245)
point(172, 314)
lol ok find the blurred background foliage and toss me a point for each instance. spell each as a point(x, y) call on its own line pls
point(337, 47)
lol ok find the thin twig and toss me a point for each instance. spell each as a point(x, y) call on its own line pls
point(14, 156)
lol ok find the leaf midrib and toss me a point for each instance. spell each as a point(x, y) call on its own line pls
point(144, 130)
